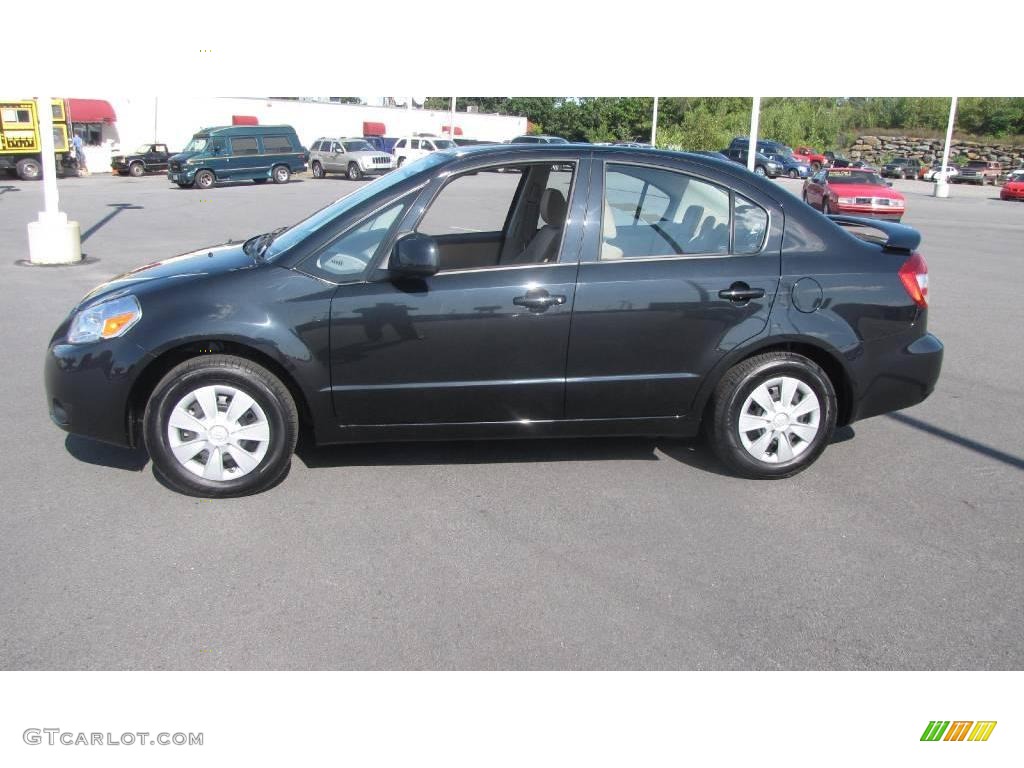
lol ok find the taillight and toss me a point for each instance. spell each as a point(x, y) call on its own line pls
point(914, 276)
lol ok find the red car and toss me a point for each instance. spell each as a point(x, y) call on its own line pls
point(853, 191)
point(814, 159)
point(1013, 189)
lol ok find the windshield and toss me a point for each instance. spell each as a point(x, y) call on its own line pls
point(977, 164)
point(557, 140)
point(357, 146)
point(299, 232)
point(443, 143)
point(198, 144)
point(856, 177)
point(142, 149)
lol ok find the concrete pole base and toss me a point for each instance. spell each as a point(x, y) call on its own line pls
point(54, 240)
point(941, 189)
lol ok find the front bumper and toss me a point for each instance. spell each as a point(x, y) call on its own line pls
point(869, 212)
point(185, 176)
point(88, 387)
point(1009, 194)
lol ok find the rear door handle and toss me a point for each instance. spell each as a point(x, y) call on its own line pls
point(538, 300)
point(741, 292)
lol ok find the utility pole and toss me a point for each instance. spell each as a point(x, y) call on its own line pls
point(52, 239)
point(755, 117)
point(451, 122)
point(941, 182)
point(654, 124)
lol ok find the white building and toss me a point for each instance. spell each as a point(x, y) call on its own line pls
point(171, 120)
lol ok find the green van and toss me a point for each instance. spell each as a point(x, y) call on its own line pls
point(238, 152)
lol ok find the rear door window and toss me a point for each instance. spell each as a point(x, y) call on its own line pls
point(276, 144)
point(244, 145)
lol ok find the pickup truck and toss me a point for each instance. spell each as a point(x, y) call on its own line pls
point(147, 158)
point(979, 172)
point(814, 159)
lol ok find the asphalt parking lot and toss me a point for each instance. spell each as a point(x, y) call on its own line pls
point(900, 549)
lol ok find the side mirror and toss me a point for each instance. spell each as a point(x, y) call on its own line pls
point(415, 255)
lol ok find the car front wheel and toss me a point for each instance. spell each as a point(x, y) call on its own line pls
point(220, 426)
point(204, 179)
point(318, 171)
point(354, 174)
point(136, 169)
point(772, 415)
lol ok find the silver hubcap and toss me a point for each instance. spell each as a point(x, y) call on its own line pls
point(282, 174)
point(218, 433)
point(779, 420)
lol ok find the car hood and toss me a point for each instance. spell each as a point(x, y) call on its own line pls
point(368, 153)
point(181, 157)
point(194, 265)
point(864, 190)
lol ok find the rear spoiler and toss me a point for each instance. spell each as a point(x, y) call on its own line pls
point(898, 237)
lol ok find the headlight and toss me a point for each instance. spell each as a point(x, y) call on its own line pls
point(848, 200)
point(105, 321)
point(895, 203)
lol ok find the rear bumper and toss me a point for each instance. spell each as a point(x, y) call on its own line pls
point(905, 376)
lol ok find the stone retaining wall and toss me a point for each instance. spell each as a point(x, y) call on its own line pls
point(879, 149)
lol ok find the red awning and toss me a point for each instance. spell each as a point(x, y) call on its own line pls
point(444, 130)
point(91, 111)
point(244, 120)
point(373, 129)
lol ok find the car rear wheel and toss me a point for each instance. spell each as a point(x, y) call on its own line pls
point(772, 415)
point(220, 426)
point(759, 170)
point(815, 167)
point(204, 179)
point(354, 174)
point(28, 169)
point(318, 171)
point(136, 169)
point(281, 174)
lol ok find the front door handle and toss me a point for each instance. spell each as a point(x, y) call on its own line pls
point(741, 292)
point(538, 300)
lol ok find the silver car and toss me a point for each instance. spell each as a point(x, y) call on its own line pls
point(355, 158)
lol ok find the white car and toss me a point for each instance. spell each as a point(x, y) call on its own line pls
point(415, 147)
point(932, 174)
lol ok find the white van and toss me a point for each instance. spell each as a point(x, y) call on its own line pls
point(415, 147)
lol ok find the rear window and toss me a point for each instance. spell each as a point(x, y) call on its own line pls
point(276, 144)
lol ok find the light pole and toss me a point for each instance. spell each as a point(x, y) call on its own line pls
point(755, 117)
point(451, 122)
point(654, 124)
point(52, 239)
point(941, 182)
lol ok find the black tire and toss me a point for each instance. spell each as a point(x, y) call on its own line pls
point(204, 179)
point(29, 169)
point(136, 169)
point(281, 174)
point(733, 390)
point(815, 167)
point(793, 173)
point(354, 174)
point(759, 170)
point(184, 185)
point(257, 382)
point(400, 161)
point(318, 171)
point(825, 207)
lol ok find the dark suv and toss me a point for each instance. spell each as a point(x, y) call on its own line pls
point(902, 168)
point(763, 165)
point(596, 291)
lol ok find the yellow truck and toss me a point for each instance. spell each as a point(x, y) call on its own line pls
point(21, 149)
